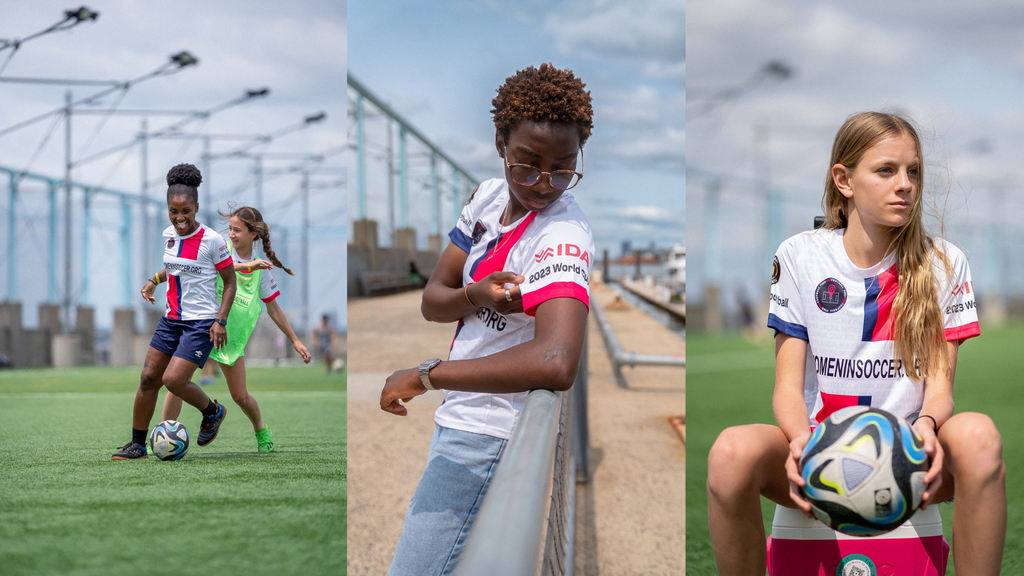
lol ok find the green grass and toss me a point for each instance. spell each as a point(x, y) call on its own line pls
point(66, 508)
point(730, 380)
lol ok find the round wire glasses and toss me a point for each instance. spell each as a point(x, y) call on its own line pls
point(526, 175)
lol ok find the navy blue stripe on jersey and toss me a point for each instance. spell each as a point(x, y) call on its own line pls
point(794, 330)
point(873, 287)
point(457, 330)
point(460, 239)
point(490, 246)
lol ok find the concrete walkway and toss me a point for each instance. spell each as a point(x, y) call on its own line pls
point(630, 518)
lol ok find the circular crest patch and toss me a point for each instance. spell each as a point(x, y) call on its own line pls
point(170, 242)
point(856, 565)
point(776, 271)
point(830, 295)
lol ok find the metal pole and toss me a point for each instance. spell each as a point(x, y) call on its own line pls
point(361, 156)
point(435, 206)
point(456, 206)
point(69, 274)
point(144, 189)
point(86, 214)
point(259, 181)
point(52, 292)
point(12, 254)
point(391, 180)
point(305, 253)
point(126, 252)
point(207, 180)
point(403, 181)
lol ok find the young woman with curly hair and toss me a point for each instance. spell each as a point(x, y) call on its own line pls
point(255, 284)
point(515, 279)
point(194, 322)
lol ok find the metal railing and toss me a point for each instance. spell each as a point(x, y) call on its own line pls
point(548, 449)
point(620, 357)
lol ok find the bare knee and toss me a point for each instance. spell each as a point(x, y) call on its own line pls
point(174, 385)
point(240, 397)
point(150, 380)
point(732, 464)
point(974, 446)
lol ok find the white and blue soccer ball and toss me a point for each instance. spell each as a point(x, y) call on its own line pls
point(170, 440)
point(864, 471)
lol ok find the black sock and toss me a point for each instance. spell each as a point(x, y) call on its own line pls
point(139, 436)
point(210, 410)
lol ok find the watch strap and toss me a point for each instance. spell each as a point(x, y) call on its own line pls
point(425, 367)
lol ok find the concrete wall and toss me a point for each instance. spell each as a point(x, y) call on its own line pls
point(85, 328)
point(364, 259)
point(11, 333)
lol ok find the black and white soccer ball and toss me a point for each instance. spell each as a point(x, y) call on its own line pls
point(170, 440)
point(864, 471)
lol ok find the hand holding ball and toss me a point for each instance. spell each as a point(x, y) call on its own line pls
point(864, 471)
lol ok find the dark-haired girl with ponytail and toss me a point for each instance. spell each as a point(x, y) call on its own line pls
point(194, 322)
point(255, 284)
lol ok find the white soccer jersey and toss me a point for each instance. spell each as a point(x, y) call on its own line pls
point(192, 264)
point(268, 286)
point(845, 315)
point(553, 250)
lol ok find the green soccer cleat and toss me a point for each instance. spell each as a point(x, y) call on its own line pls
point(265, 439)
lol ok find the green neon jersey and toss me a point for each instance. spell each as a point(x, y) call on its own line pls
point(245, 310)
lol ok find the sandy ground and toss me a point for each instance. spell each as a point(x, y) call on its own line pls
point(630, 517)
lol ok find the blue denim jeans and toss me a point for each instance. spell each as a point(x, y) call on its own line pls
point(441, 513)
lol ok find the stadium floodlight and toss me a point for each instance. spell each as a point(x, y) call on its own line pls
point(184, 58)
point(71, 19)
point(81, 15)
point(173, 129)
point(773, 70)
point(176, 63)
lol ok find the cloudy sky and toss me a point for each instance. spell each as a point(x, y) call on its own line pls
point(956, 69)
point(439, 65)
point(295, 50)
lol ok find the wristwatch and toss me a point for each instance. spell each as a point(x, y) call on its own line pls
point(425, 367)
point(222, 321)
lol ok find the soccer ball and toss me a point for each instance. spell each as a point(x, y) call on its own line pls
point(170, 440)
point(864, 471)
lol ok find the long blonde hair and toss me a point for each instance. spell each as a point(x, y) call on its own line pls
point(917, 322)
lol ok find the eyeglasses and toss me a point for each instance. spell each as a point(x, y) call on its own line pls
point(526, 175)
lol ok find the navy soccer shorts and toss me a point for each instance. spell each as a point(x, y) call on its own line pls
point(187, 339)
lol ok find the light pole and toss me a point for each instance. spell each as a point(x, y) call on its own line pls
point(143, 140)
point(177, 62)
point(71, 19)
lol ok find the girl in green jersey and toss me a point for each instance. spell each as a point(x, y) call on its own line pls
point(255, 283)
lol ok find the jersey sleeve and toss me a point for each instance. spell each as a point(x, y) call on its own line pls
point(219, 251)
point(956, 297)
point(785, 313)
point(462, 234)
point(268, 287)
point(558, 266)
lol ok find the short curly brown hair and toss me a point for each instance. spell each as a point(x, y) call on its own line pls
point(543, 94)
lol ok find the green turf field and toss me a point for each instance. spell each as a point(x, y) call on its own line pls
point(729, 382)
point(66, 508)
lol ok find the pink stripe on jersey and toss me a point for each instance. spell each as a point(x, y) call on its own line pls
point(225, 263)
point(271, 297)
point(964, 332)
point(495, 261)
point(173, 297)
point(554, 290)
point(189, 248)
point(888, 282)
